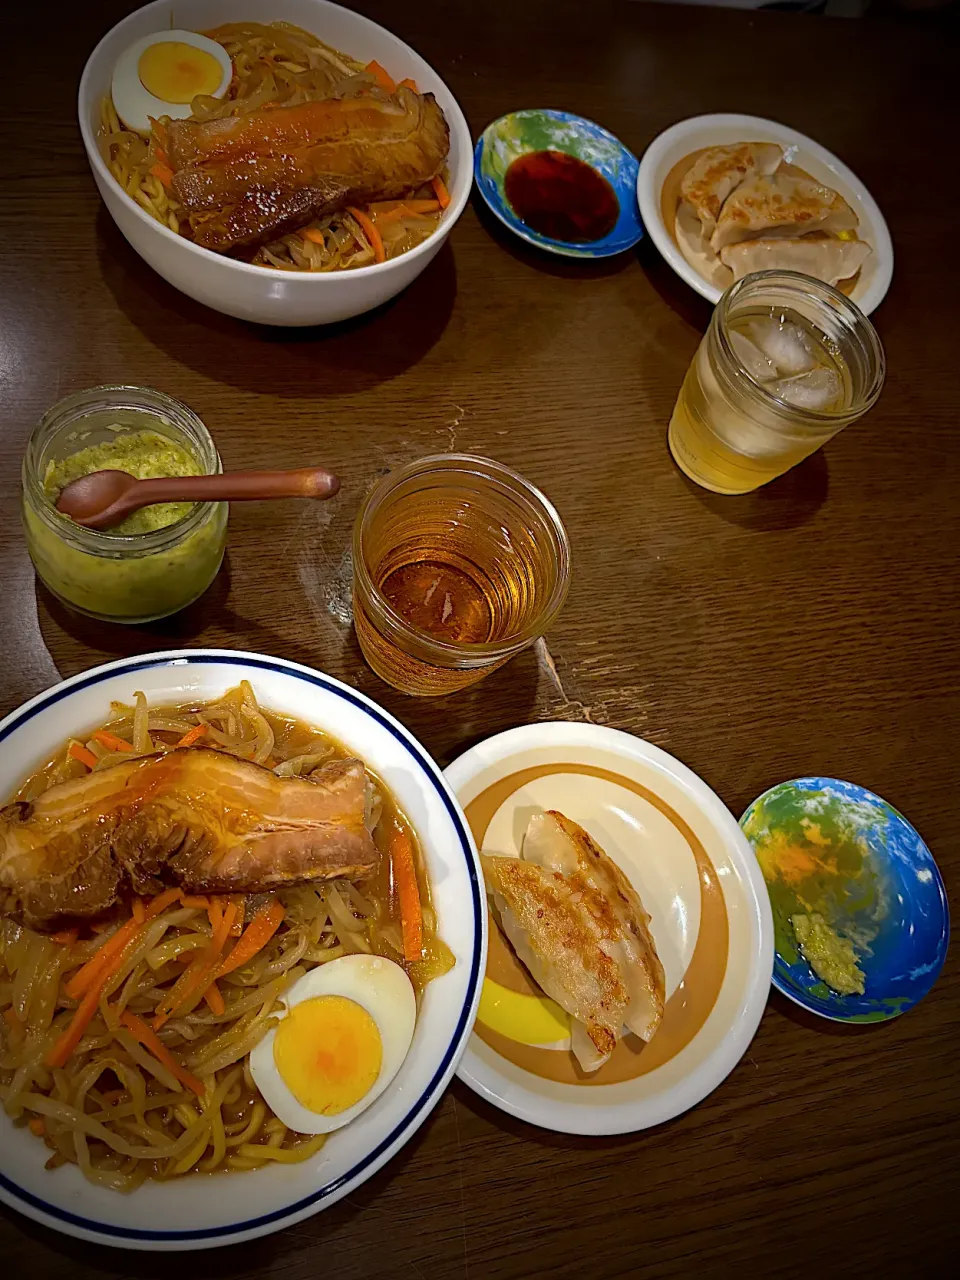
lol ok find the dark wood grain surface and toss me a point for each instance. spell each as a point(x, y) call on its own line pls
point(809, 628)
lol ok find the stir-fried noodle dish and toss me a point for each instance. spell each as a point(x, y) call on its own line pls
point(308, 160)
point(167, 886)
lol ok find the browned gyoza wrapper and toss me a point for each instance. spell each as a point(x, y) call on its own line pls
point(247, 179)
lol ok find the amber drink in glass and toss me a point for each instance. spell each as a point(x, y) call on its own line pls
point(459, 564)
point(786, 363)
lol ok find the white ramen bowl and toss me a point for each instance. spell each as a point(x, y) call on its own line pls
point(266, 294)
point(197, 1212)
point(690, 135)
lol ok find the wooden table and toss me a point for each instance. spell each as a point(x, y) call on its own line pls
point(808, 628)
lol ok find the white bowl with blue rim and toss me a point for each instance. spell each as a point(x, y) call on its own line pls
point(539, 129)
point(205, 1211)
point(835, 848)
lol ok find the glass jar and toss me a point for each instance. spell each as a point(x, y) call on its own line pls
point(741, 418)
point(107, 575)
point(458, 564)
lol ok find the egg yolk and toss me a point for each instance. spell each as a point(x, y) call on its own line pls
point(524, 1018)
point(177, 72)
point(329, 1053)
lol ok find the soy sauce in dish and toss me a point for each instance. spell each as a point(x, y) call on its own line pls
point(561, 197)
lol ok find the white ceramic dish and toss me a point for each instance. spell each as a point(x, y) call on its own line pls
point(697, 877)
point(264, 294)
point(201, 1212)
point(690, 135)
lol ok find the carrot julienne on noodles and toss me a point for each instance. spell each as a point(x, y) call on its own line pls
point(125, 1037)
point(291, 167)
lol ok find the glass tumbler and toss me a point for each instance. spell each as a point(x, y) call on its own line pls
point(459, 564)
point(785, 364)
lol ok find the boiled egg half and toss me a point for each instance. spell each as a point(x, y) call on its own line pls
point(345, 1032)
point(161, 75)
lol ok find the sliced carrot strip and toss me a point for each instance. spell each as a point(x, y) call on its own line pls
point(372, 234)
point(214, 913)
point(151, 1042)
point(70, 1038)
point(111, 741)
point(407, 83)
point(161, 902)
point(195, 980)
point(311, 233)
point(163, 172)
point(195, 900)
point(408, 893)
point(102, 959)
point(35, 1125)
point(381, 207)
point(193, 735)
point(255, 937)
point(383, 77)
point(66, 936)
point(440, 187)
point(214, 999)
point(408, 210)
point(83, 755)
point(89, 974)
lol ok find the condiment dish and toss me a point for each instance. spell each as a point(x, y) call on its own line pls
point(836, 850)
point(523, 132)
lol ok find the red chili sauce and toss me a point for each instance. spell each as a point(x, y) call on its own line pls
point(561, 197)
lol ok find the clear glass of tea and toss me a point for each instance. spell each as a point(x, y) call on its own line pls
point(785, 364)
point(459, 563)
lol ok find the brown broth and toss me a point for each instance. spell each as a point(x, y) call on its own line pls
point(670, 202)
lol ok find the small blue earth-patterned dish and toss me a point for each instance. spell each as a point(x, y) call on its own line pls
point(536, 129)
point(834, 852)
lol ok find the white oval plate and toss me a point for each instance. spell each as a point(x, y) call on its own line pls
point(201, 1212)
point(680, 139)
point(650, 813)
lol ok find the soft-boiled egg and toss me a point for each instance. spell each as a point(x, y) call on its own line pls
point(343, 1037)
point(161, 75)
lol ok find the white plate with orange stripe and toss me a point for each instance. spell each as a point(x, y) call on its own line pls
point(698, 878)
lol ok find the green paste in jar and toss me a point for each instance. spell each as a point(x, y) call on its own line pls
point(147, 455)
point(120, 580)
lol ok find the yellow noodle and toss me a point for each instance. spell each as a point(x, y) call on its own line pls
point(286, 1155)
point(252, 1128)
point(125, 1109)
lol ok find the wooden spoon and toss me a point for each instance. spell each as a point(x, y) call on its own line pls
point(104, 498)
